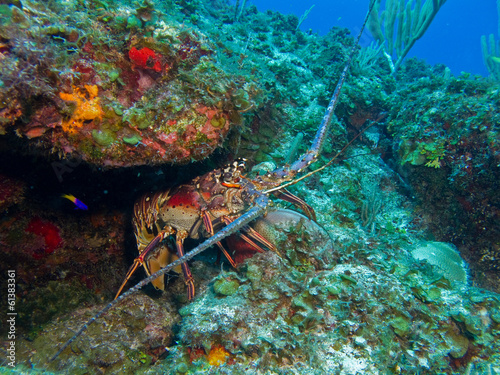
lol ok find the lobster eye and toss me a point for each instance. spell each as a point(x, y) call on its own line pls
point(228, 176)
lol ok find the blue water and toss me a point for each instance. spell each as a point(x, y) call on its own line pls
point(452, 39)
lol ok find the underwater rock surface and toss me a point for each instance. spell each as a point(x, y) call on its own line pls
point(364, 306)
point(151, 91)
point(127, 340)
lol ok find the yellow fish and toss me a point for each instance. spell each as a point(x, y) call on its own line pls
point(78, 203)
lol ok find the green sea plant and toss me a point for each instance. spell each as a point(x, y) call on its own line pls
point(491, 51)
point(226, 286)
point(104, 137)
point(133, 140)
point(304, 16)
point(400, 24)
point(366, 59)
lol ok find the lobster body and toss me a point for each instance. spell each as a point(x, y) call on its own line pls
point(189, 210)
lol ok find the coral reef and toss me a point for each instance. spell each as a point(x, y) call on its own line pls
point(377, 285)
point(160, 96)
point(361, 304)
point(447, 147)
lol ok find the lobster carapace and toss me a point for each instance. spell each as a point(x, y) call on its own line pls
point(196, 210)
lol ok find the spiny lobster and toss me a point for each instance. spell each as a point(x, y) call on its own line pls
point(220, 198)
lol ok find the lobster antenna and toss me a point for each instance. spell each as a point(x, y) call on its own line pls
point(320, 137)
point(284, 186)
point(312, 154)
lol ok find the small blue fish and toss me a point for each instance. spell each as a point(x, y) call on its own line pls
point(78, 203)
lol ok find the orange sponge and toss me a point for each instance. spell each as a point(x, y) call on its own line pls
point(217, 355)
point(88, 107)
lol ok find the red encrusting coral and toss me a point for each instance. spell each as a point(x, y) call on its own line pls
point(50, 234)
point(145, 58)
point(195, 353)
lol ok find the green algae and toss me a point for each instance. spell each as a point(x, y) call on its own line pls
point(400, 325)
point(104, 137)
point(254, 273)
point(348, 279)
point(218, 122)
point(133, 22)
point(137, 118)
point(118, 111)
point(495, 316)
point(133, 140)
point(458, 343)
point(6, 13)
point(225, 286)
point(181, 368)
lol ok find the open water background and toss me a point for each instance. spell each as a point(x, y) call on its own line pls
point(452, 39)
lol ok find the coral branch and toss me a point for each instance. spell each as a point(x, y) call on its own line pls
point(491, 51)
point(401, 24)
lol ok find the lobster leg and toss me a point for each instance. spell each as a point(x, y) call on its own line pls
point(289, 197)
point(130, 272)
point(210, 229)
point(188, 276)
point(258, 237)
point(140, 259)
point(252, 233)
point(250, 242)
